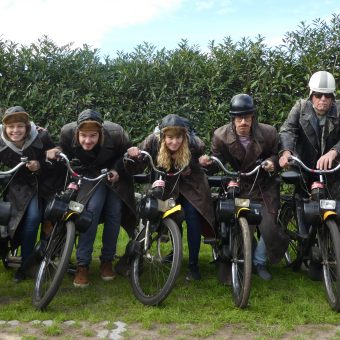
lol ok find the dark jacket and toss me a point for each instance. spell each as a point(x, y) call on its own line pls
point(194, 187)
point(263, 145)
point(301, 135)
point(109, 156)
point(25, 184)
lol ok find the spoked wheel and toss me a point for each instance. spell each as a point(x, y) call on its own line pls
point(329, 239)
point(154, 270)
point(288, 221)
point(54, 264)
point(241, 267)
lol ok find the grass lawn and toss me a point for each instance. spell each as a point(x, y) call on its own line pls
point(276, 307)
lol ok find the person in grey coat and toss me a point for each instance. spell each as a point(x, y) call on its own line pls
point(28, 188)
point(99, 144)
point(312, 133)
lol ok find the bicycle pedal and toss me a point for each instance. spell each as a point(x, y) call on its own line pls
point(210, 241)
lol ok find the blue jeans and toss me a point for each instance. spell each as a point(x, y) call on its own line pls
point(29, 228)
point(260, 253)
point(104, 202)
point(194, 227)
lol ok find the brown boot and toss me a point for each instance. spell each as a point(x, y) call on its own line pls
point(106, 271)
point(81, 279)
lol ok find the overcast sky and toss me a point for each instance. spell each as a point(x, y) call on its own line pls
point(112, 25)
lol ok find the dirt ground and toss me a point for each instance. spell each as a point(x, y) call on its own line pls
point(118, 330)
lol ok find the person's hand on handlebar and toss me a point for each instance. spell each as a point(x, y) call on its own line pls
point(113, 176)
point(284, 159)
point(52, 153)
point(325, 161)
point(133, 152)
point(268, 165)
point(33, 166)
point(205, 160)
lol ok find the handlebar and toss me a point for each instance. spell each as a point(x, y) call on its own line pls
point(23, 161)
point(162, 173)
point(104, 172)
point(232, 173)
point(313, 171)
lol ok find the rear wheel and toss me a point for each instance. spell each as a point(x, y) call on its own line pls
point(54, 264)
point(241, 268)
point(329, 239)
point(154, 270)
point(288, 222)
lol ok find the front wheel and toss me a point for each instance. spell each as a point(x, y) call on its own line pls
point(329, 238)
point(54, 264)
point(155, 269)
point(241, 268)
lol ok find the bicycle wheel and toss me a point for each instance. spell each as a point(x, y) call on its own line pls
point(329, 239)
point(54, 264)
point(241, 267)
point(288, 222)
point(154, 271)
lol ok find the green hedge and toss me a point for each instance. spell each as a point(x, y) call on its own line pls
point(54, 83)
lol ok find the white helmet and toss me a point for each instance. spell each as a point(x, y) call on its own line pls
point(323, 82)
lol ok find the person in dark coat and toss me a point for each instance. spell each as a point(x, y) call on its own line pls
point(312, 133)
point(173, 148)
point(99, 144)
point(28, 188)
point(243, 143)
point(312, 130)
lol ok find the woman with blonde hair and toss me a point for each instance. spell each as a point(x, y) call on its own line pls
point(172, 147)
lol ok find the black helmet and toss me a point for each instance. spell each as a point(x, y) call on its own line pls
point(88, 114)
point(241, 104)
point(172, 120)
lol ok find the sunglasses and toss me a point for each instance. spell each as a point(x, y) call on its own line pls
point(319, 95)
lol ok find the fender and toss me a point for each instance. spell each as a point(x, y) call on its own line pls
point(172, 210)
point(241, 211)
point(69, 214)
point(328, 214)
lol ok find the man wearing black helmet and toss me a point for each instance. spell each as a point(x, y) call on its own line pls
point(242, 143)
point(97, 145)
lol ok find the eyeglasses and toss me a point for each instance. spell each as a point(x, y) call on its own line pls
point(246, 118)
point(319, 95)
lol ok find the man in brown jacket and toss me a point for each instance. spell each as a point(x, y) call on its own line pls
point(243, 143)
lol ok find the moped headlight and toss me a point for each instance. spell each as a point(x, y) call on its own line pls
point(76, 207)
point(242, 202)
point(328, 204)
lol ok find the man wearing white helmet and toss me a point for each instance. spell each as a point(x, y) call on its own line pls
point(312, 132)
point(312, 129)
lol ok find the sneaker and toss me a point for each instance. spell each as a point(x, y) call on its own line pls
point(19, 275)
point(262, 272)
point(106, 271)
point(193, 273)
point(81, 279)
point(168, 258)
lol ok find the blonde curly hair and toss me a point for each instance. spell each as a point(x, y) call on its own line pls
point(179, 159)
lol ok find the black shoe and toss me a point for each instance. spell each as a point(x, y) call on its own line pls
point(224, 272)
point(262, 272)
point(168, 258)
point(193, 273)
point(19, 275)
point(315, 271)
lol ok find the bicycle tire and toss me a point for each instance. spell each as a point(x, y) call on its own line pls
point(54, 264)
point(288, 222)
point(153, 273)
point(329, 239)
point(241, 267)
